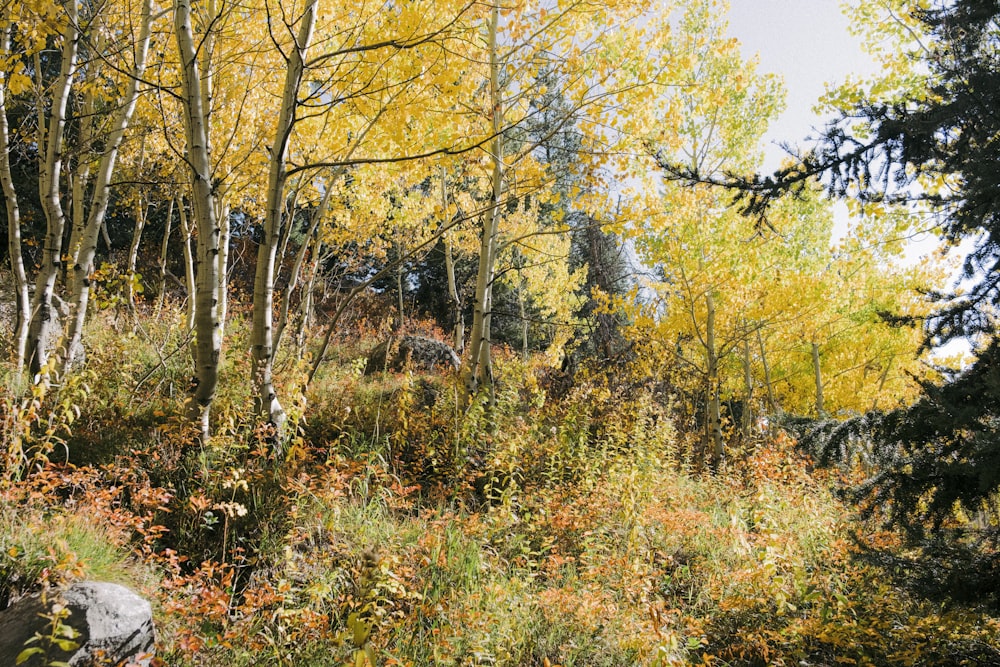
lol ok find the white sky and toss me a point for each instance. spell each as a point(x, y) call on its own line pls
point(806, 42)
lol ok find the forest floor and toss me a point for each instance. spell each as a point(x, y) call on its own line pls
point(570, 524)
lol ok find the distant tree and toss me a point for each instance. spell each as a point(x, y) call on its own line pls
point(925, 139)
point(563, 148)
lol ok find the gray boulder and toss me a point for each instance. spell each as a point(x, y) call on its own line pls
point(416, 352)
point(115, 627)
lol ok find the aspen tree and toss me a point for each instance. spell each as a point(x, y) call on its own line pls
point(42, 332)
point(208, 327)
point(87, 243)
point(164, 247)
point(699, 244)
point(478, 371)
point(593, 52)
point(22, 299)
point(262, 338)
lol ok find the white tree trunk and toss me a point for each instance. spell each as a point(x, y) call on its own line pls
point(78, 188)
point(478, 373)
point(400, 305)
point(187, 237)
point(43, 325)
point(83, 266)
point(771, 400)
point(81, 177)
point(22, 300)
point(141, 211)
point(296, 272)
point(818, 376)
point(164, 246)
point(454, 298)
point(266, 400)
point(222, 260)
point(307, 298)
point(208, 331)
point(746, 421)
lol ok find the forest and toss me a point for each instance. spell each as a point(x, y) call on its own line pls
point(447, 332)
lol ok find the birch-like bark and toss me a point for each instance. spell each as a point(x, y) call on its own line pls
point(81, 176)
point(208, 333)
point(478, 373)
point(42, 329)
point(162, 267)
point(22, 299)
point(771, 400)
point(400, 305)
point(746, 421)
point(83, 265)
point(306, 302)
point(141, 211)
point(222, 259)
point(524, 323)
point(882, 380)
point(78, 188)
point(266, 400)
point(454, 299)
point(187, 236)
point(296, 272)
point(818, 376)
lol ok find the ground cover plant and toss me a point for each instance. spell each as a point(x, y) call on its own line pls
point(399, 528)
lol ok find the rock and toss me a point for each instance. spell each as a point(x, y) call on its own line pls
point(415, 352)
point(115, 627)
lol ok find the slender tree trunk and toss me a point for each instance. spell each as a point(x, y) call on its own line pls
point(524, 323)
point(22, 300)
point(746, 422)
point(771, 401)
point(187, 236)
point(296, 272)
point(222, 262)
point(479, 370)
point(164, 246)
point(141, 211)
point(400, 304)
point(262, 343)
point(83, 265)
point(78, 188)
point(714, 408)
point(43, 324)
point(286, 229)
point(454, 299)
point(306, 302)
point(81, 177)
point(105, 236)
point(208, 331)
point(818, 375)
point(882, 380)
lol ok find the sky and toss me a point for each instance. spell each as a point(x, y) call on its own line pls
point(806, 42)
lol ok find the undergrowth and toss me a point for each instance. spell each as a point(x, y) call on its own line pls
point(566, 526)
